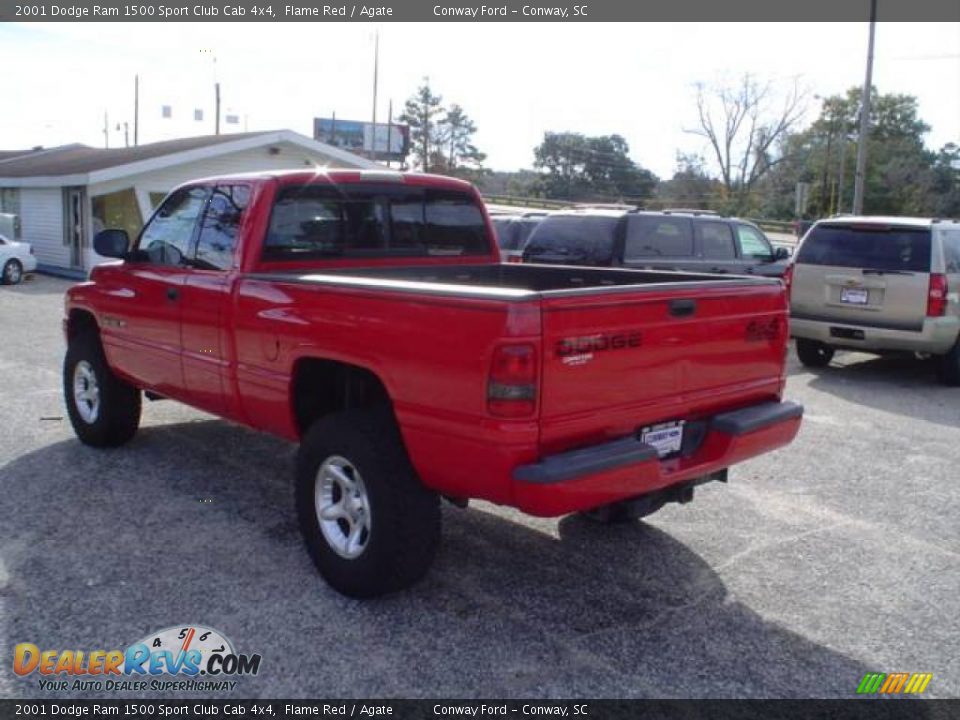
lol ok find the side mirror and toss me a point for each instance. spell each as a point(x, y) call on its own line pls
point(781, 253)
point(112, 243)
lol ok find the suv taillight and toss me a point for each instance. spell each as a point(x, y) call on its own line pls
point(788, 279)
point(937, 296)
point(512, 384)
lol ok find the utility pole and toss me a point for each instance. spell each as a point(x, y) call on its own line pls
point(217, 120)
point(859, 180)
point(106, 130)
point(136, 110)
point(389, 129)
point(376, 66)
point(843, 168)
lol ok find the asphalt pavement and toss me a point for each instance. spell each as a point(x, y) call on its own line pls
point(834, 557)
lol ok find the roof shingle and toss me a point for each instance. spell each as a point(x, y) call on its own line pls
point(78, 159)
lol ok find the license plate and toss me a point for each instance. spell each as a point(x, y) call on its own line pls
point(667, 437)
point(854, 296)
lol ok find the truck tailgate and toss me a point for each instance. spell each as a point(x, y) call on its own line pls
point(616, 363)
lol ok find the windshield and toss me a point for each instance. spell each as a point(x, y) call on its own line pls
point(317, 221)
point(573, 238)
point(873, 248)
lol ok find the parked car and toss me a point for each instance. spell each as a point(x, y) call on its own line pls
point(366, 315)
point(878, 284)
point(16, 260)
point(512, 232)
point(683, 240)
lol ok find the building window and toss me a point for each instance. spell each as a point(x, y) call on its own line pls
point(10, 205)
point(117, 210)
point(198, 115)
point(166, 111)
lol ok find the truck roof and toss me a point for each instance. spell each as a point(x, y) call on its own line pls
point(336, 176)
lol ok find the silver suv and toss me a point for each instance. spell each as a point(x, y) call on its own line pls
point(877, 284)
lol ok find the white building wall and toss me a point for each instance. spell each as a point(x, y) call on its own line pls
point(41, 222)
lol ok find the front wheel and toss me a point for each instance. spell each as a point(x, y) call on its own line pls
point(813, 353)
point(104, 410)
point(369, 525)
point(12, 272)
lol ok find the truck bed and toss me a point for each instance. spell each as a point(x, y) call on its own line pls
point(506, 281)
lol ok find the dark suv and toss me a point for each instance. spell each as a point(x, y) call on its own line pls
point(669, 240)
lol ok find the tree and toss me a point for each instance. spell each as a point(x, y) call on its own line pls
point(457, 130)
point(903, 177)
point(946, 182)
point(421, 113)
point(743, 126)
point(690, 186)
point(578, 167)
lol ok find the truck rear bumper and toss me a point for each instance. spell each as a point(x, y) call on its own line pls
point(610, 472)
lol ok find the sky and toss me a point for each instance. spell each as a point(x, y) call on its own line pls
point(516, 80)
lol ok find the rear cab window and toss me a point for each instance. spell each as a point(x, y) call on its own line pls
point(653, 237)
point(573, 238)
point(310, 222)
point(869, 247)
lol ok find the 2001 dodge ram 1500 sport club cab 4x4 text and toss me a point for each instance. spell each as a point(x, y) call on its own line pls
point(366, 315)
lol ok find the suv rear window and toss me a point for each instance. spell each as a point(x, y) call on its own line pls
point(880, 248)
point(652, 236)
point(323, 221)
point(573, 238)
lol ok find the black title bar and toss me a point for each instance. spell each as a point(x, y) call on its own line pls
point(493, 11)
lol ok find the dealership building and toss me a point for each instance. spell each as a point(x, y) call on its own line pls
point(62, 196)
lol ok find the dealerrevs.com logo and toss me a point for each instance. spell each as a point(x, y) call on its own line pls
point(182, 658)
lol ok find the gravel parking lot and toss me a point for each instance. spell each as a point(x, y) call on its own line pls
point(832, 558)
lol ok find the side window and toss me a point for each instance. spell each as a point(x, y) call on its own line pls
point(951, 251)
point(753, 244)
point(167, 238)
point(716, 241)
point(650, 236)
point(218, 231)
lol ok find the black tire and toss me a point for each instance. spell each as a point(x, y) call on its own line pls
point(118, 414)
point(404, 516)
point(12, 272)
point(949, 368)
point(813, 353)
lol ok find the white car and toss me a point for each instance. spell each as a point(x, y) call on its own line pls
point(16, 259)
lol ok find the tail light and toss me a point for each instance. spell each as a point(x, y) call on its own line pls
point(937, 296)
point(512, 385)
point(515, 259)
point(788, 279)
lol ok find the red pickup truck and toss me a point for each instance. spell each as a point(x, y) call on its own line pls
point(366, 315)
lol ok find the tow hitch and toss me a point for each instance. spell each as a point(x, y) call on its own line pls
point(643, 505)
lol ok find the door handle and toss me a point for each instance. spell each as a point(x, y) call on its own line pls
point(683, 308)
point(173, 293)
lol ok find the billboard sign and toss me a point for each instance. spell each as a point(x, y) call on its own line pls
point(386, 141)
